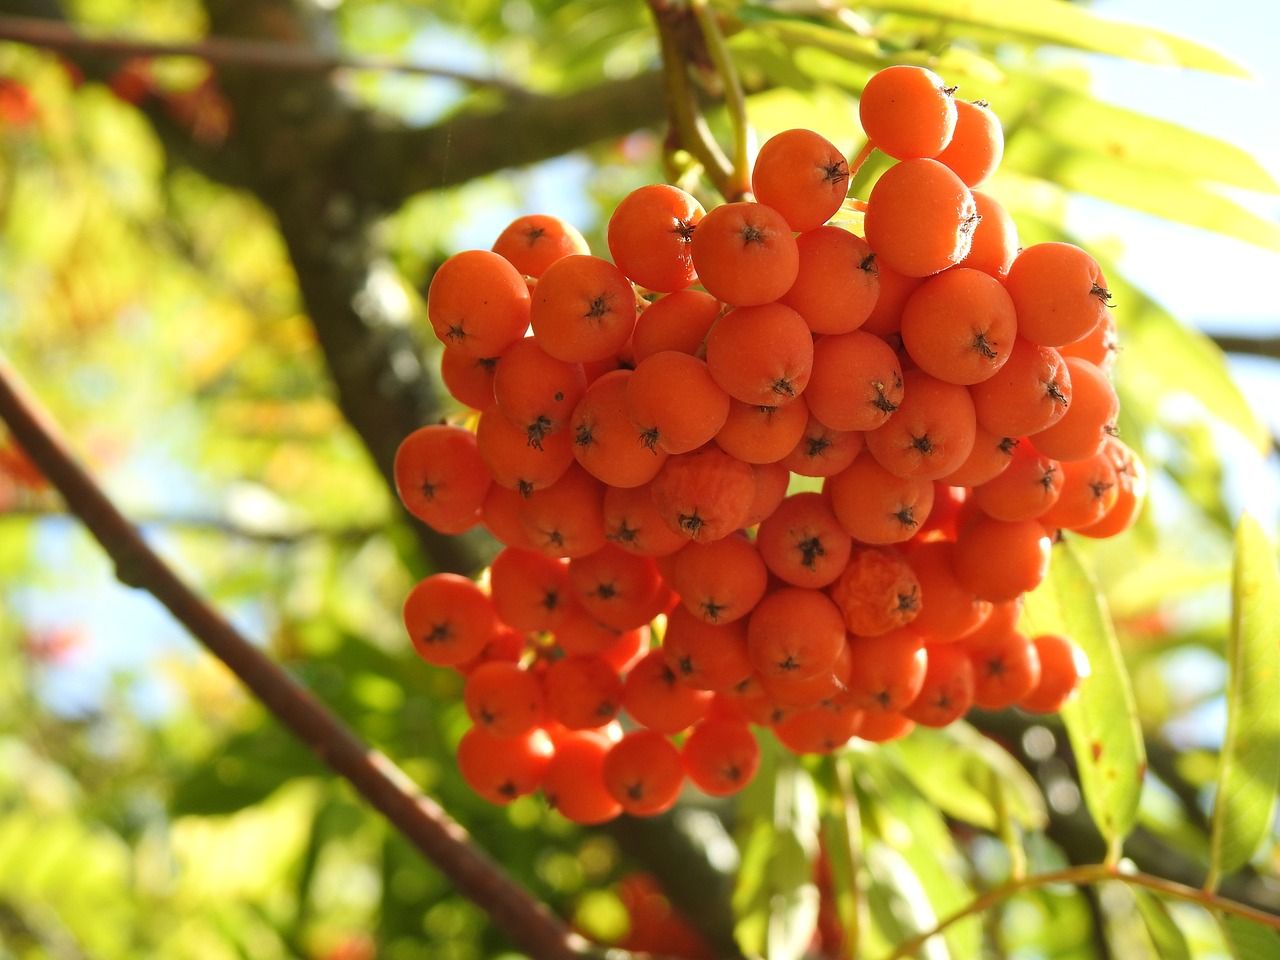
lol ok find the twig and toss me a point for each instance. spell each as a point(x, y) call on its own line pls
point(1083, 876)
point(735, 100)
point(420, 819)
point(687, 123)
point(230, 52)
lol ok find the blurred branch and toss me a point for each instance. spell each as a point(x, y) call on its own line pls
point(228, 52)
point(421, 820)
point(1247, 345)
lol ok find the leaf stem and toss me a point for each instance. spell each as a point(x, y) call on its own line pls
point(1083, 876)
point(735, 99)
point(853, 827)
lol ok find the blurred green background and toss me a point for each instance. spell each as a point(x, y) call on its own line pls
point(215, 282)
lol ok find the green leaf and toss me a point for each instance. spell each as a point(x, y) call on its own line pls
point(1101, 720)
point(775, 899)
point(1249, 770)
point(1066, 25)
point(1050, 111)
point(1163, 930)
point(1161, 193)
point(953, 768)
point(1250, 940)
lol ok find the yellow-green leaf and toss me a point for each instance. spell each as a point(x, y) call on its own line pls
point(1067, 25)
point(1168, 940)
point(1249, 770)
point(1101, 720)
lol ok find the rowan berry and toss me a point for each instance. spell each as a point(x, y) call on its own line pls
point(802, 542)
point(573, 782)
point(1059, 292)
point(503, 699)
point(533, 242)
point(920, 218)
point(803, 176)
point(583, 309)
point(977, 145)
point(875, 506)
point(877, 592)
point(907, 111)
point(675, 403)
point(478, 303)
point(536, 391)
point(503, 768)
point(720, 581)
point(441, 477)
point(721, 756)
point(745, 254)
point(678, 321)
point(837, 283)
point(856, 383)
point(959, 326)
point(655, 697)
point(761, 354)
point(758, 434)
point(449, 619)
point(650, 236)
point(644, 773)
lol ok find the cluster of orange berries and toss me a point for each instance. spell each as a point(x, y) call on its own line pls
point(642, 454)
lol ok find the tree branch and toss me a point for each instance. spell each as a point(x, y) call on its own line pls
point(1248, 346)
point(228, 52)
point(388, 163)
point(421, 820)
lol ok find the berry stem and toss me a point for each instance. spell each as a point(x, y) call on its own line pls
point(1084, 876)
point(735, 99)
point(856, 163)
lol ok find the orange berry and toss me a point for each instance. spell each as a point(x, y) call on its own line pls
point(706, 656)
point(1089, 420)
point(606, 442)
point(882, 726)
point(977, 145)
point(856, 381)
point(535, 391)
point(583, 309)
point(995, 238)
point(950, 508)
point(574, 779)
point(930, 434)
point(566, 519)
point(895, 288)
point(503, 768)
point(478, 303)
point(772, 480)
point(818, 729)
point(581, 635)
point(762, 434)
point(1059, 292)
point(678, 321)
point(650, 236)
point(675, 403)
point(803, 543)
point(1099, 346)
point(583, 692)
point(533, 242)
point(449, 619)
point(875, 506)
point(469, 380)
point(441, 478)
point(761, 355)
point(618, 589)
point(801, 175)
point(877, 592)
point(505, 646)
point(947, 692)
point(1131, 483)
point(501, 513)
point(1089, 489)
point(503, 699)
point(795, 632)
point(719, 581)
point(948, 609)
point(745, 254)
point(1025, 490)
point(907, 112)
point(959, 326)
point(654, 696)
point(530, 590)
point(1005, 669)
point(513, 460)
point(704, 495)
point(999, 560)
point(1029, 393)
point(888, 671)
point(1062, 665)
point(643, 772)
point(837, 283)
point(633, 522)
point(721, 756)
point(920, 218)
point(989, 458)
point(823, 452)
